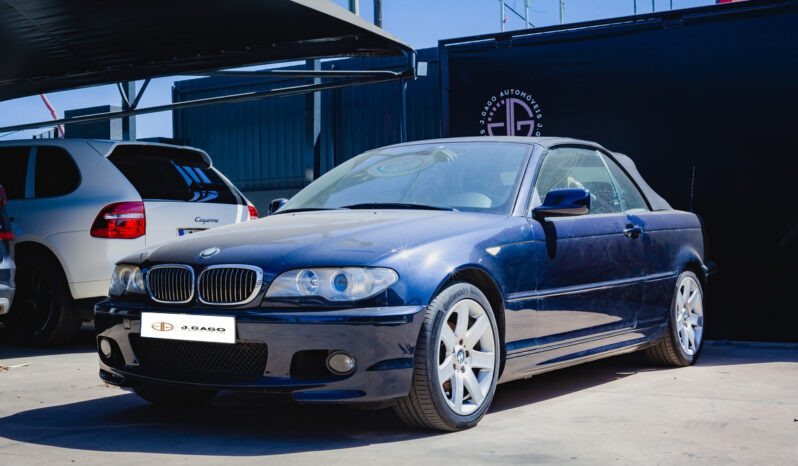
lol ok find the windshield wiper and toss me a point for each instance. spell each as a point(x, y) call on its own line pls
point(396, 205)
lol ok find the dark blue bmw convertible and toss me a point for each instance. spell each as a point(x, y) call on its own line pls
point(416, 276)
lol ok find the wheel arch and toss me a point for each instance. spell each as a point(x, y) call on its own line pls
point(26, 248)
point(483, 280)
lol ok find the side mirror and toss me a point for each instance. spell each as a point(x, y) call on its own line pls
point(275, 204)
point(562, 202)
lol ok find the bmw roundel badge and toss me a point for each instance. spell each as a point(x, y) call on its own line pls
point(209, 252)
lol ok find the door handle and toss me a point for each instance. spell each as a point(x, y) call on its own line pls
point(633, 231)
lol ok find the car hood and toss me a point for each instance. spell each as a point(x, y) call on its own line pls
point(325, 238)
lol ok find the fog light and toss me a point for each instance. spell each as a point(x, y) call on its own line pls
point(105, 348)
point(341, 363)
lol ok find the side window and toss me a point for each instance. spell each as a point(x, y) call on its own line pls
point(574, 167)
point(631, 199)
point(13, 169)
point(56, 172)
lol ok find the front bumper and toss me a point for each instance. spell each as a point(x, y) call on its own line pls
point(381, 339)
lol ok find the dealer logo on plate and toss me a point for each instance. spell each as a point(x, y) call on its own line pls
point(511, 112)
point(162, 326)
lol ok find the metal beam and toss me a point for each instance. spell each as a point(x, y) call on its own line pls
point(301, 73)
point(242, 97)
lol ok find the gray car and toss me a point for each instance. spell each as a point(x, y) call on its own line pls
point(7, 267)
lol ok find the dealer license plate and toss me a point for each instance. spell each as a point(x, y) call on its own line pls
point(189, 327)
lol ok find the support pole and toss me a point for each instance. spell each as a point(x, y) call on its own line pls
point(653, 6)
point(501, 14)
point(635, 6)
point(562, 11)
point(378, 13)
point(354, 7)
point(526, 13)
point(403, 104)
point(128, 122)
point(312, 150)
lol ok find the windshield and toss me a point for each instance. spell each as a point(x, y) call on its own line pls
point(472, 176)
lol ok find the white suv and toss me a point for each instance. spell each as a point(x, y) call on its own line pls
point(77, 206)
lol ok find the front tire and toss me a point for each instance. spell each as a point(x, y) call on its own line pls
point(171, 397)
point(682, 345)
point(456, 362)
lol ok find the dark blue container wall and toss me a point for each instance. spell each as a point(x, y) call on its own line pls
point(703, 100)
point(260, 145)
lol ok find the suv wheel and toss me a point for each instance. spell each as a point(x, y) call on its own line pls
point(43, 312)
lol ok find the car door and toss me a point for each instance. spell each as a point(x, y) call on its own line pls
point(589, 277)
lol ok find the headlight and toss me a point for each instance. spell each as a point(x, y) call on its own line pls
point(333, 284)
point(126, 279)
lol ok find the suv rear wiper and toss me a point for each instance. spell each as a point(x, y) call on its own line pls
point(198, 186)
point(306, 209)
point(396, 205)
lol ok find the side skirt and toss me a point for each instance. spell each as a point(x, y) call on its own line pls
point(537, 361)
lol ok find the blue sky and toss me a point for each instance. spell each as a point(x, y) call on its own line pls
point(421, 23)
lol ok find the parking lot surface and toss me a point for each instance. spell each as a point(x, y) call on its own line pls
point(738, 405)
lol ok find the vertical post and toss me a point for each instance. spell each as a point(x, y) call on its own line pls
point(312, 152)
point(378, 13)
point(354, 7)
point(562, 11)
point(526, 13)
point(635, 5)
point(501, 14)
point(671, 4)
point(129, 122)
point(403, 104)
point(411, 61)
point(653, 6)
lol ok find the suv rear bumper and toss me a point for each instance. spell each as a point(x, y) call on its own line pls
point(6, 297)
point(382, 340)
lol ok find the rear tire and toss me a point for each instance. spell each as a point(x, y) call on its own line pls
point(682, 344)
point(460, 355)
point(43, 312)
point(170, 397)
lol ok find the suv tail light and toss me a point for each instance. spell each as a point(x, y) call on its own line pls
point(253, 212)
point(4, 235)
point(120, 220)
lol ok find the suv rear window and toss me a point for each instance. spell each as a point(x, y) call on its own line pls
point(172, 174)
point(56, 172)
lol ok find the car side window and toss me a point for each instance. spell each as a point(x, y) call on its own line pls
point(56, 172)
point(631, 199)
point(575, 167)
point(13, 169)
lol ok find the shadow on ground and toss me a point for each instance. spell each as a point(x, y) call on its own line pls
point(10, 348)
point(237, 424)
point(245, 424)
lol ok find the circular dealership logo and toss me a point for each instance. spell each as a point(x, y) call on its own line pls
point(162, 326)
point(209, 252)
point(511, 112)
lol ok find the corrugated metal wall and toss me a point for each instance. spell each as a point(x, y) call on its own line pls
point(260, 145)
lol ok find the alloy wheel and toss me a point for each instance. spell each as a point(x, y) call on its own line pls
point(689, 316)
point(466, 356)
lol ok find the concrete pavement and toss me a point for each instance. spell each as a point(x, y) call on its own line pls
point(738, 405)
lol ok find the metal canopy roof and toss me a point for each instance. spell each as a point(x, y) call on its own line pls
point(50, 45)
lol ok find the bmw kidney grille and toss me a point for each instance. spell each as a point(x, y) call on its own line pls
point(229, 284)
